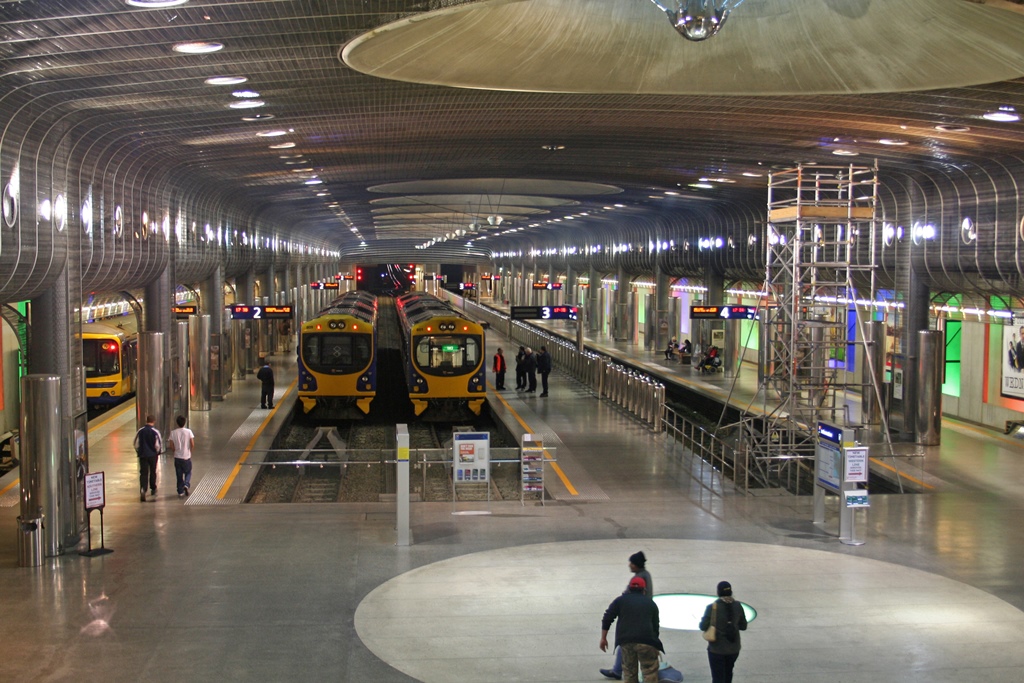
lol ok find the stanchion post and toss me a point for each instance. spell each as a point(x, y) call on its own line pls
point(402, 492)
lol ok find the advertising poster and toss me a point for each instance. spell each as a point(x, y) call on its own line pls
point(1012, 383)
point(471, 454)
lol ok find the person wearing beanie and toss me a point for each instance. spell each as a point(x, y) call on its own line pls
point(636, 633)
point(637, 565)
point(727, 616)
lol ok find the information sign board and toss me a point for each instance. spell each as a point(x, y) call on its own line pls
point(545, 313)
point(467, 285)
point(856, 467)
point(471, 453)
point(184, 311)
point(547, 285)
point(323, 285)
point(243, 312)
point(95, 492)
point(723, 312)
point(828, 457)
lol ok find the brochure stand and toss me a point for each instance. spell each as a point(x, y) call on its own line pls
point(531, 466)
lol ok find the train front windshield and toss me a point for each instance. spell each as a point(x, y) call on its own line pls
point(101, 357)
point(437, 355)
point(336, 354)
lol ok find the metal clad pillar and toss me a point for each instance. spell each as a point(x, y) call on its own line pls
point(150, 398)
point(918, 305)
point(594, 293)
point(200, 375)
point(158, 303)
point(620, 324)
point(871, 410)
point(928, 425)
point(47, 474)
point(733, 352)
point(663, 328)
point(181, 381)
point(213, 306)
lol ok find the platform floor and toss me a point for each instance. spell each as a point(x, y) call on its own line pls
point(211, 590)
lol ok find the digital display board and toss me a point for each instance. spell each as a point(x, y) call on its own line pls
point(467, 285)
point(323, 285)
point(349, 277)
point(547, 285)
point(723, 312)
point(243, 312)
point(184, 311)
point(545, 313)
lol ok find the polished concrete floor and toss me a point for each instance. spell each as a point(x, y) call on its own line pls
point(216, 591)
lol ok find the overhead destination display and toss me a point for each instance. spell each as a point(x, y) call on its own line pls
point(545, 313)
point(323, 285)
point(184, 311)
point(243, 312)
point(547, 285)
point(723, 312)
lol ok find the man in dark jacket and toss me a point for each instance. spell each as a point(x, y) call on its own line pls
point(544, 368)
point(148, 446)
point(266, 377)
point(530, 368)
point(520, 369)
point(637, 632)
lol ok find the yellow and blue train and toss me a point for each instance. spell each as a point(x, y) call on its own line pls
point(110, 356)
point(337, 356)
point(444, 356)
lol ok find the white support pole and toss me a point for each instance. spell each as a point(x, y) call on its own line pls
point(402, 492)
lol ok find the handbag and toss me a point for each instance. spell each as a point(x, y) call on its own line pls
point(666, 672)
point(712, 634)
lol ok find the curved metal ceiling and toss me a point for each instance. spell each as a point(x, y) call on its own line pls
point(105, 74)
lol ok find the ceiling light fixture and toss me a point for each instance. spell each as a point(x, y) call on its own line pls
point(748, 174)
point(314, 181)
point(247, 94)
point(155, 3)
point(703, 186)
point(246, 104)
point(697, 19)
point(845, 153)
point(258, 117)
point(1003, 115)
point(553, 148)
point(197, 48)
point(892, 142)
point(283, 145)
point(225, 80)
point(271, 133)
point(951, 128)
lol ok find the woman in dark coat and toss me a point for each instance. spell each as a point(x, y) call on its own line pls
point(729, 620)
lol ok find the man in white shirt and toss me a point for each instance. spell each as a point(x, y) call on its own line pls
point(182, 441)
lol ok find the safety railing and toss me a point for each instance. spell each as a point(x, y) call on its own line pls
point(637, 393)
point(712, 458)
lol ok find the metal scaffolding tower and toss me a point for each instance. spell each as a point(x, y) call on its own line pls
point(820, 261)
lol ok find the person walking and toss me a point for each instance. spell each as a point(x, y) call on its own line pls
point(637, 633)
point(181, 441)
point(499, 370)
point(521, 369)
point(266, 377)
point(727, 616)
point(148, 446)
point(637, 565)
point(544, 368)
point(530, 366)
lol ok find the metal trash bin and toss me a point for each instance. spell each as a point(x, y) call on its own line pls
point(30, 542)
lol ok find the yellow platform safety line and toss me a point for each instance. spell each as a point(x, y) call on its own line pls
point(252, 442)
point(558, 470)
point(91, 427)
point(901, 474)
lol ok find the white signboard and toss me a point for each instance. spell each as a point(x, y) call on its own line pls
point(471, 453)
point(856, 464)
point(95, 496)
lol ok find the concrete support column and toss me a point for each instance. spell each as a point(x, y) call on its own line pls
point(594, 296)
point(715, 282)
point(662, 325)
point(918, 306)
point(621, 322)
point(531, 292)
point(569, 293)
point(212, 292)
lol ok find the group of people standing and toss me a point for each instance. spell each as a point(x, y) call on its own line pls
point(637, 633)
point(528, 366)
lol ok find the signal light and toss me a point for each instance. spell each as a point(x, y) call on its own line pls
point(355, 327)
point(109, 346)
point(465, 328)
point(319, 326)
point(429, 328)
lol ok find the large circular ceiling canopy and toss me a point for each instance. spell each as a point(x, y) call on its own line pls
point(768, 47)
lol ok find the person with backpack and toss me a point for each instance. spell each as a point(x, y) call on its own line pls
point(521, 369)
point(544, 368)
point(727, 617)
point(266, 378)
point(148, 446)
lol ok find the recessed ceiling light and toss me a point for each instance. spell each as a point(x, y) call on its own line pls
point(249, 94)
point(893, 142)
point(225, 80)
point(620, 206)
point(553, 148)
point(258, 117)
point(748, 174)
point(302, 170)
point(951, 128)
point(1003, 115)
point(314, 181)
point(155, 3)
point(246, 104)
point(845, 153)
point(283, 145)
point(197, 48)
point(290, 156)
point(671, 193)
point(321, 194)
point(272, 133)
point(703, 186)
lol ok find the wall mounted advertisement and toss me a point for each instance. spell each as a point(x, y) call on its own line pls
point(471, 455)
point(1012, 383)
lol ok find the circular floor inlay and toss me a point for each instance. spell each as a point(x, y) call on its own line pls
point(533, 613)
